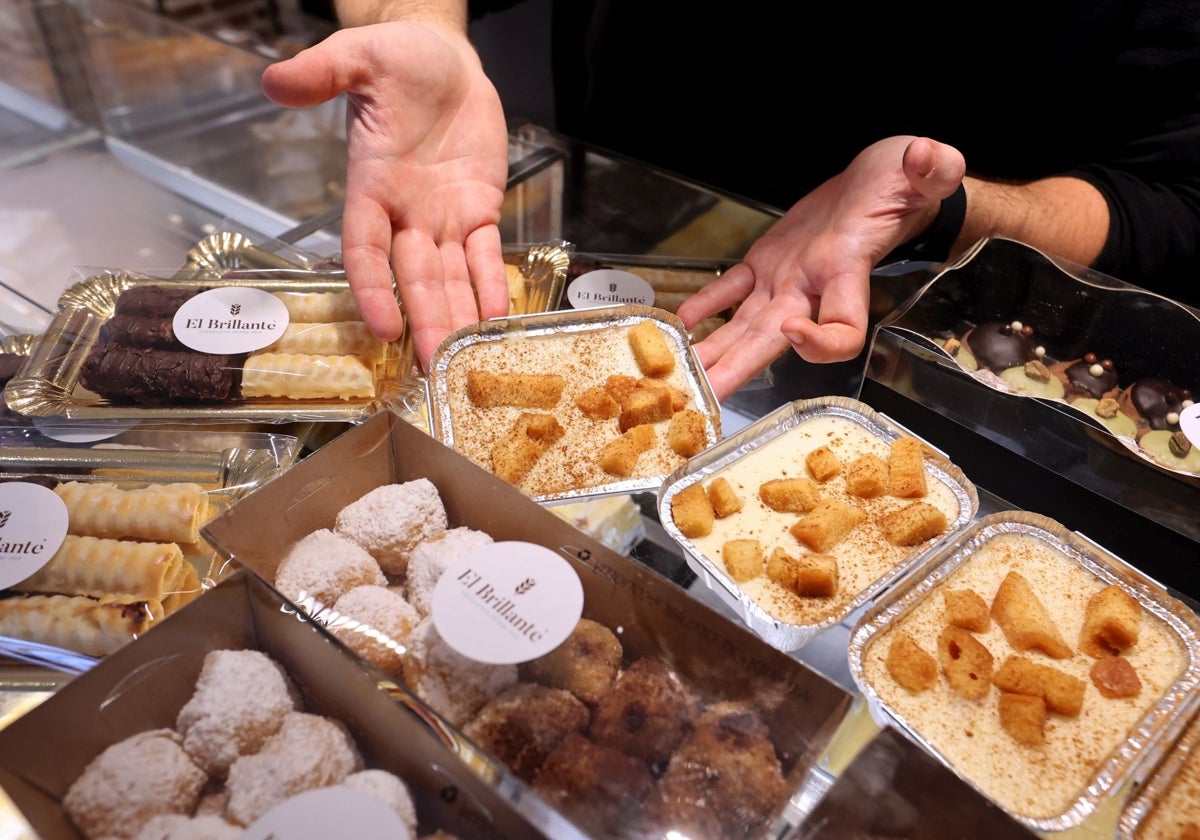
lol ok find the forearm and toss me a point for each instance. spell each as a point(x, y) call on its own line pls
point(445, 13)
point(1064, 216)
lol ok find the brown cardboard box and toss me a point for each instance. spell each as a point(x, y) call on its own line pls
point(143, 686)
point(718, 658)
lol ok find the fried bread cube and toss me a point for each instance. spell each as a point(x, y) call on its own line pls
point(598, 404)
point(910, 664)
point(743, 559)
point(809, 575)
point(1111, 622)
point(1023, 717)
point(822, 463)
point(867, 476)
point(524, 390)
point(530, 435)
point(966, 662)
point(620, 455)
point(906, 468)
point(790, 495)
point(692, 511)
point(965, 608)
point(687, 433)
point(1062, 692)
point(913, 524)
point(651, 350)
point(1025, 620)
point(725, 500)
point(644, 405)
point(826, 524)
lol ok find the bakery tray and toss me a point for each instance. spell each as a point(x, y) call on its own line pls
point(750, 442)
point(160, 458)
point(1085, 758)
point(566, 343)
point(49, 383)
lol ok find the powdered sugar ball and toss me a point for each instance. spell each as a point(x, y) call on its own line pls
point(391, 789)
point(390, 520)
point(376, 622)
point(183, 827)
point(431, 558)
point(455, 686)
point(240, 700)
point(324, 565)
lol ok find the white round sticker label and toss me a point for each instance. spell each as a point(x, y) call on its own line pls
point(1189, 423)
point(33, 524)
point(88, 431)
point(329, 812)
point(507, 602)
point(231, 319)
point(609, 287)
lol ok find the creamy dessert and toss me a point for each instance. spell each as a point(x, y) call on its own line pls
point(569, 411)
point(1175, 815)
point(1092, 664)
point(844, 469)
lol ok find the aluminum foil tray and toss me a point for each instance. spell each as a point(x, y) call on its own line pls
point(586, 347)
point(49, 384)
point(1084, 758)
point(757, 447)
point(1146, 340)
point(1170, 798)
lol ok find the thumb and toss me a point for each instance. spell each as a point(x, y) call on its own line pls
point(933, 169)
point(306, 79)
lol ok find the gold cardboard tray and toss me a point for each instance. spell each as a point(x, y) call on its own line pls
point(552, 337)
point(738, 448)
point(1064, 568)
point(48, 384)
point(225, 475)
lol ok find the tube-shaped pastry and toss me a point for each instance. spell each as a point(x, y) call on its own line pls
point(320, 307)
point(148, 375)
point(153, 301)
point(95, 627)
point(159, 512)
point(340, 338)
point(301, 376)
point(94, 566)
point(141, 331)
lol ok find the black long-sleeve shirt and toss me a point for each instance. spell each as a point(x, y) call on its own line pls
point(767, 100)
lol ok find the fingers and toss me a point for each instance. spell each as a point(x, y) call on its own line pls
point(730, 288)
point(934, 169)
point(366, 237)
point(306, 79)
point(485, 261)
point(418, 270)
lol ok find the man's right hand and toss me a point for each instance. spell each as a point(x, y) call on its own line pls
point(426, 172)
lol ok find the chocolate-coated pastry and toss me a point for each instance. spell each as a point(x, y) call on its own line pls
point(999, 346)
point(1156, 401)
point(141, 331)
point(150, 376)
point(153, 301)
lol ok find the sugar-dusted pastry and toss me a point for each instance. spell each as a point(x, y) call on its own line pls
point(184, 827)
point(307, 376)
point(390, 520)
point(524, 723)
point(391, 789)
point(91, 626)
point(320, 307)
point(308, 751)
point(374, 621)
point(340, 338)
point(240, 700)
point(454, 686)
point(158, 512)
point(94, 566)
point(432, 556)
point(324, 565)
point(130, 782)
point(585, 664)
point(647, 712)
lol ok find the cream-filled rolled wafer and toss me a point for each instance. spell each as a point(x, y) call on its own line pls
point(159, 512)
point(302, 376)
point(92, 626)
point(184, 589)
point(320, 307)
point(95, 566)
point(340, 338)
